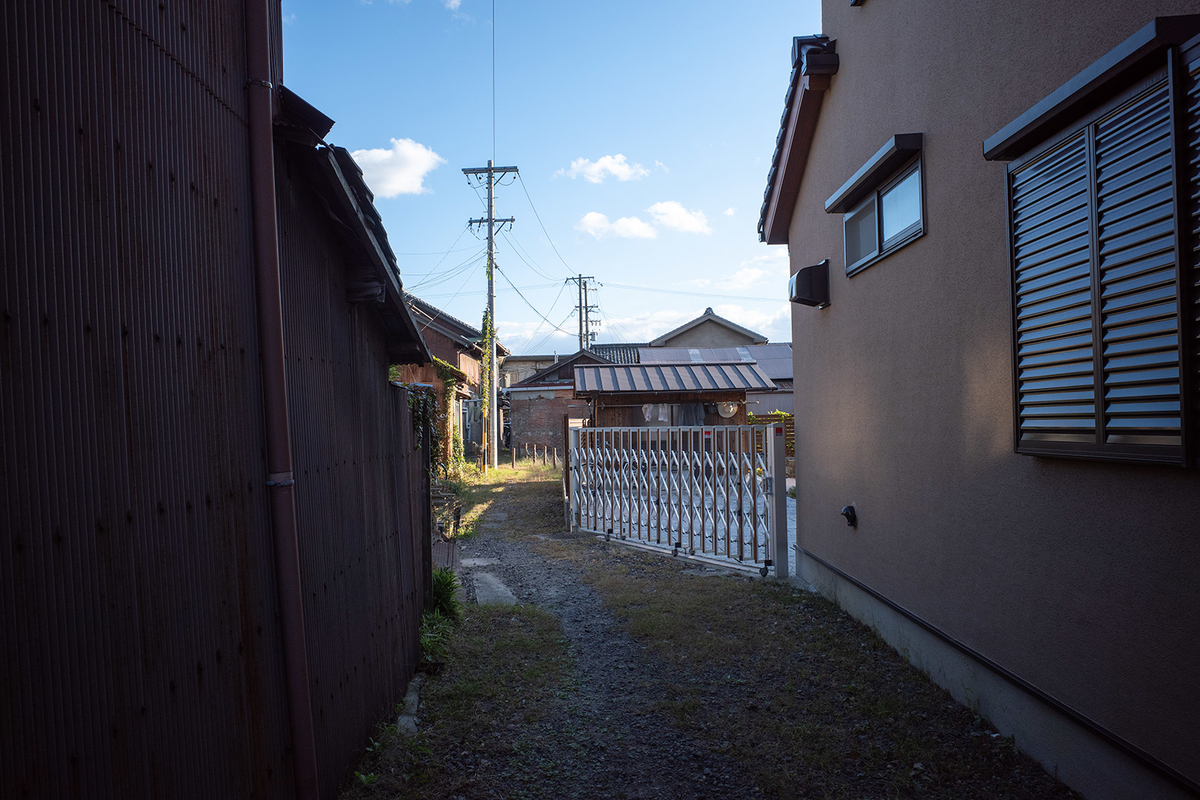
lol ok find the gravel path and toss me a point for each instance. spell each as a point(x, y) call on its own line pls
point(610, 740)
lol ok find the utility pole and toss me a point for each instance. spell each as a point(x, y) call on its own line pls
point(492, 430)
point(585, 325)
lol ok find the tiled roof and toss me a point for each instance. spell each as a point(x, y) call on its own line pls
point(618, 352)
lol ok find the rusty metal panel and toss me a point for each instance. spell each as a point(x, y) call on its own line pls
point(358, 473)
point(139, 648)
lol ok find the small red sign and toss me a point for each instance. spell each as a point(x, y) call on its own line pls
point(779, 431)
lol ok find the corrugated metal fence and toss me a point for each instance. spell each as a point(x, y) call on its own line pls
point(140, 647)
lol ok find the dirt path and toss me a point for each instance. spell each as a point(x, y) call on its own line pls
point(610, 739)
point(619, 674)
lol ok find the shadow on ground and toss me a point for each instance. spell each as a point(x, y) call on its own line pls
point(623, 674)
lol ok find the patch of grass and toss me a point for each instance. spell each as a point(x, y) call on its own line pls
point(829, 708)
point(507, 668)
point(435, 635)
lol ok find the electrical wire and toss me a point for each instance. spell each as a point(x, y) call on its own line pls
point(539, 219)
point(440, 311)
point(522, 253)
point(437, 252)
point(493, 81)
point(432, 279)
point(608, 318)
point(475, 292)
point(526, 299)
point(695, 294)
point(547, 337)
point(557, 297)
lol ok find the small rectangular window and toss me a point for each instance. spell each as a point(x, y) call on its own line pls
point(901, 206)
point(885, 221)
point(861, 238)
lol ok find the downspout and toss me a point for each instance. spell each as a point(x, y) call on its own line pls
point(260, 94)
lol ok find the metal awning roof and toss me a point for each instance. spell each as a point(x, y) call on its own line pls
point(648, 378)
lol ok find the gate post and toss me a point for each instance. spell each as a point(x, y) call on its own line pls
point(779, 521)
point(571, 477)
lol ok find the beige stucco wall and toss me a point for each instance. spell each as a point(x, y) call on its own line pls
point(709, 334)
point(1083, 578)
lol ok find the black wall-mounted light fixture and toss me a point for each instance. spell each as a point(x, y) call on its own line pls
point(851, 517)
point(810, 286)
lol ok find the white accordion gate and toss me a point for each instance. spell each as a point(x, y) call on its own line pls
point(711, 491)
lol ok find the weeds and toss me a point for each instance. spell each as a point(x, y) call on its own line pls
point(444, 598)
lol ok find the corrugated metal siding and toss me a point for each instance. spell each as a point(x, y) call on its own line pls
point(140, 646)
point(140, 651)
point(353, 444)
point(670, 378)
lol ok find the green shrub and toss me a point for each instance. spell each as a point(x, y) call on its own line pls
point(444, 601)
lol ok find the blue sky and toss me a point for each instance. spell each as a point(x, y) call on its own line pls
point(643, 132)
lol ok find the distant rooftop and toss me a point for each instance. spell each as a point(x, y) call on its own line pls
point(619, 352)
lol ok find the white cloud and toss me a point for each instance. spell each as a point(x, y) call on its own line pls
point(596, 171)
point(671, 214)
point(599, 226)
point(452, 4)
point(729, 212)
point(399, 170)
point(651, 324)
point(765, 272)
point(775, 325)
point(662, 166)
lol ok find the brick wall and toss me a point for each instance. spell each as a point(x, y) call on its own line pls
point(537, 416)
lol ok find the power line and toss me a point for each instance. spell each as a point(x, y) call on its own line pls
point(608, 318)
point(439, 252)
point(557, 297)
point(551, 333)
point(539, 219)
point(526, 299)
point(695, 294)
point(476, 292)
point(442, 312)
point(493, 87)
point(432, 279)
point(522, 253)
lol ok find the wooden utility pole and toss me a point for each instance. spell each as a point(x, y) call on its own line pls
point(493, 434)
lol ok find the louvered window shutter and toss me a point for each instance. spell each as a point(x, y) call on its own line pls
point(1190, 165)
point(1139, 312)
point(1053, 298)
point(1095, 294)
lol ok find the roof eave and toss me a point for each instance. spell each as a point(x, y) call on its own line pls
point(407, 345)
point(785, 187)
point(1102, 79)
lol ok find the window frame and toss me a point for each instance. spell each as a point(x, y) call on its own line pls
point(1100, 449)
point(909, 234)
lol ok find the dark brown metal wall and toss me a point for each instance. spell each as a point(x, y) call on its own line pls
point(355, 487)
point(140, 650)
